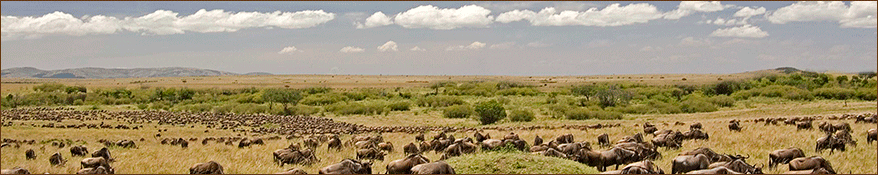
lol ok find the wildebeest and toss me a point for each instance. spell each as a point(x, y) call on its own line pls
point(103, 152)
point(829, 142)
point(642, 167)
point(79, 150)
point(649, 129)
point(783, 156)
point(809, 163)
point(209, 167)
point(419, 137)
point(566, 138)
point(370, 153)
point(410, 148)
point(670, 140)
point(438, 167)
point(602, 159)
point(56, 159)
point(15, 170)
point(348, 166)
point(29, 154)
point(126, 144)
point(293, 171)
point(800, 125)
point(96, 162)
point(386, 146)
point(695, 126)
point(552, 152)
point(98, 170)
point(735, 125)
point(717, 170)
point(604, 140)
point(246, 143)
point(871, 135)
point(739, 165)
point(696, 134)
point(686, 163)
point(538, 140)
point(812, 171)
point(404, 166)
point(334, 143)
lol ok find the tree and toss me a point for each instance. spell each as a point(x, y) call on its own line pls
point(612, 96)
point(286, 97)
point(841, 79)
point(490, 112)
point(583, 90)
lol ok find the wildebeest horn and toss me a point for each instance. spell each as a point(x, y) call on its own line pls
point(748, 156)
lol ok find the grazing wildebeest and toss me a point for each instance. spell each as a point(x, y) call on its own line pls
point(98, 170)
point(604, 140)
point(566, 138)
point(649, 129)
point(439, 167)
point(602, 159)
point(334, 143)
point(871, 135)
point(293, 171)
point(370, 153)
point(419, 137)
point(739, 165)
point(29, 154)
point(717, 170)
point(411, 148)
point(386, 146)
point(783, 156)
point(404, 166)
point(96, 162)
point(809, 163)
point(103, 152)
point(695, 126)
point(348, 166)
point(537, 140)
point(210, 167)
point(686, 163)
point(56, 159)
point(642, 167)
point(735, 125)
point(15, 170)
point(829, 142)
point(800, 125)
point(79, 150)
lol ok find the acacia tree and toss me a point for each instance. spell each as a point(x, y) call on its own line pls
point(284, 96)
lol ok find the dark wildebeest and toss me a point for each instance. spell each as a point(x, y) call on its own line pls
point(566, 138)
point(695, 126)
point(15, 170)
point(439, 167)
point(783, 156)
point(419, 137)
point(386, 146)
point(246, 143)
point(348, 166)
point(103, 152)
point(411, 148)
point(479, 137)
point(809, 163)
point(29, 154)
point(800, 125)
point(739, 165)
point(538, 140)
point(96, 162)
point(210, 167)
point(604, 140)
point(602, 159)
point(79, 150)
point(98, 170)
point(293, 171)
point(812, 171)
point(334, 143)
point(642, 167)
point(871, 135)
point(696, 134)
point(649, 129)
point(735, 125)
point(552, 152)
point(829, 142)
point(686, 163)
point(717, 170)
point(56, 159)
point(126, 144)
point(404, 166)
point(370, 153)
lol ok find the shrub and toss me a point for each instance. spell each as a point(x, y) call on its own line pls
point(585, 113)
point(304, 110)
point(439, 101)
point(349, 108)
point(693, 105)
point(521, 115)
point(557, 110)
point(722, 100)
point(457, 111)
point(868, 94)
point(490, 112)
point(835, 93)
point(518, 91)
point(323, 99)
point(399, 106)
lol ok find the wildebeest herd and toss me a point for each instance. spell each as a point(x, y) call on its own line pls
point(631, 154)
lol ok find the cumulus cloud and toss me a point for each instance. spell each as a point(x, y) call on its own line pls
point(474, 46)
point(747, 12)
point(504, 45)
point(376, 20)
point(538, 44)
point(689, 7)
point(432, 17)
point(729, 22)
point(351, 49)
point(289, 50)
point(416, 48)
point(860, 14)
point(745, 31)
point(612, 15)
point(691, 41)
point(388, 46)
point(160, 22)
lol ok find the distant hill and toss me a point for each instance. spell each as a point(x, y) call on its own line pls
point(258, 73)
point(92, 72)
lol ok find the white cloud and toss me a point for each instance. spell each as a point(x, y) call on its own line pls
point(612, 15)
point(504, 45)
point(745, 31)
point(289, 50)
point(416, 48)
point(474, 46)
point(160, 22)
point(350, 49)
point(689, 7)
point(388, 46)
point(432, 17)
point(747, 12)
point(538, 44)
point(690, 41)
point(729, 22)
point(650, 49)
point(376, 20)
point(860, 14)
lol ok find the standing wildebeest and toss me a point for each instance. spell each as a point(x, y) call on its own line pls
point(829, 142)
point(386, 146)
point(800, 125)
point(695, 126)
point(56, 159)
point(334, 143)
point(370, 153)
point(686, 163)
point(348, 166)
point(404, 166)
point(783, 156)
point(439, 167)
point(871, 135)
point(210, 167)
point(95, 163)
point(602, 159)
point(739, 165)
point(566, 138)
point(15, 170)
point(538, 140)
point(419, 137)
point(735, 125)
point(809, 163)
point(604, 140)
point(642, 167)
point(411, 148)
point(29, 154)
point(651, 129)
point(79, 150)
point(103, 152)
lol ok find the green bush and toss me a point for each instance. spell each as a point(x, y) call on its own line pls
point(323, 99)
point(694, 105)
point(585, 113)
point(868, 94)
point(782, 91)
point(722, 100)
point(440, 101)
point(457, 111)
point(521, 115)
point(557, 110)
point(350, 108)
point(399, 106)
point(835, 93)
point(518, 91)
point(651, 107)
point(490, 112)
point(303, 110)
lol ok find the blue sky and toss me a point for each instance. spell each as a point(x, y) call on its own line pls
point(443, 38)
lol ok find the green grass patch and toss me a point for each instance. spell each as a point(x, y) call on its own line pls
point(500, 162)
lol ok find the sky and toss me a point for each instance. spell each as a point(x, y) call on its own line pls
point(443, 38)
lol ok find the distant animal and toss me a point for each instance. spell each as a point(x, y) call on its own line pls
point(29, 154)
point(695, 126)
point(56, 159)
point(103, 152)
point(370, 153)
point(538, 140)
point(209, 167)
point(604, 140)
